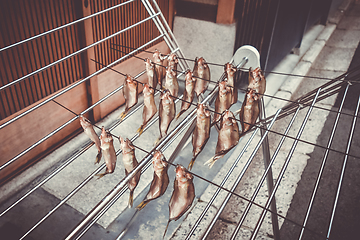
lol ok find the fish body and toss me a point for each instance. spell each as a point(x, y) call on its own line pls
point(130, 93)
point(201, 133)
point(172, 62)
point(183, 194)
point(130, 163)
point(160, 180)
point(228, 136)
point(223, 100)
point(166, 113)
point(201, 71)
point(257, 81)
point(171, 82)
point(249, 110)
point(158, 60)
point(150, 73)
point(188, 95)
point(108, 150)
point(149, 107)
point(90, 132)
point(230, 79)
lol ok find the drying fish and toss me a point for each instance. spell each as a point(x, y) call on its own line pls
point(130, 93)
point(257, 81)
point(172, 62)
point(249, 110)
point(223, 100)
point(182, 196)
point(130, 163)
point(171, 82)
point(149, 107)
point(230, 79)
point(228, 137)
point(202, 74)
point(166, 113)
point(158, 60)
point(150, 72)
point(107, 147)
point(188, 95)
point(160, 180)
point(201, 132)
point(89, 130)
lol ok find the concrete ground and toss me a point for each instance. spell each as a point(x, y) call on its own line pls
point(326, 51)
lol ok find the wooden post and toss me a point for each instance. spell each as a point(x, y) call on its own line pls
point(225, 11)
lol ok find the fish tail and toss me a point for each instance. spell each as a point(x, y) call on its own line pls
point(157, 141)
point(98, 157)
point(210, 162)
point(191, 163)
point(237, 111)
point(167, 225)
point(131, 199)
point(141, 205)
point(123, 115)
point(140, 130)
point(179, 114)
point(100, 175)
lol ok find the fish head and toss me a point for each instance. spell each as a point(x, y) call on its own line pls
point(105, 136)
point(147, 90)
point(173, 57)
point(157, 56)
point(130, 81)
point(202, 111)
point(126, 145)
point(201, 63)
point(223, 88)
point(165, 97)
point(148, 63)
point(158, 161)
point(251, 96)
point(228, 119)
point(84, 122)
point(170, 72)
point(182, 175)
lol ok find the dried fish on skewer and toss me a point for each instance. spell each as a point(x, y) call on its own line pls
point(249, 110)
point(173, 61)
point(166, 113)
point(223, 100)
point(107, 147)
point(160, 180)
point(158, 60)
point(130, 163)
point(188, 95)
point(182, 196)
point(228, 138)
point(257, 81)
point(149, 107)
point(201, 133)
point(130, 93)
point(89, 130)
point(230, 71)
point(202, 74)
point(171, 82)
point(151, 73)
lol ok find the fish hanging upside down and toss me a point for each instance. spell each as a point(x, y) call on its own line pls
point(160, 180)
point(201, 133)
point(107, 147)
point(171, 82)
point(228, 137)
point(166, 113)
point(230, 71)
point(223, 100)
point(182, 196)
point(202, 74)
point(151, 73)
point(172, 62)
point(149, 107)
point(257, 81)
point(130, 163)
point(89, 130)
point(158, 60)
point(249, 110)
point(188, 95)
point(130, 93)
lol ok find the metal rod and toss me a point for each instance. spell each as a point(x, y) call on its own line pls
point(351, 134)
point(267, 170)
point(321, 170)
point(77, 52)
point(283, 169)
point(71, 87)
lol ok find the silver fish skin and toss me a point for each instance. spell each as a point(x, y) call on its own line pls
point(230, 72)
point(159, 69)
point(183, 194)
point(90, 132)
point(149, 106)
point(188, 95)
point(201, 71)
point(228, 137)
point(108, 150)
point(151, 73)
point(171, 82)
point(166, 113)
point(201, 133)
point(130, 93)
point(257, 81)
point(160, 180)
point(223, 100)
point(130, 163)
point(172, 62)
point(249, 110)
